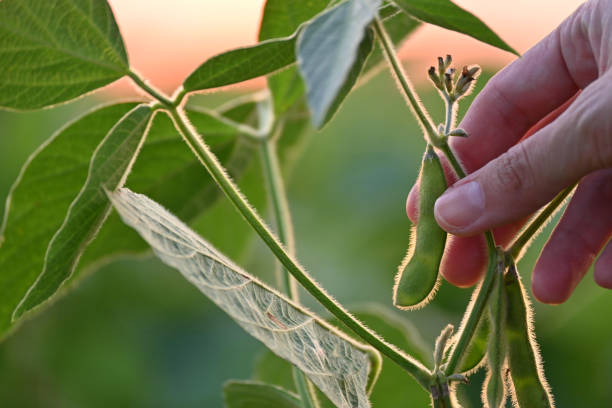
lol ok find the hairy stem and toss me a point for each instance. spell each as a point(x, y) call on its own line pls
point(450, 115)
point(407, 88)
point(151, 90)
point(229, 188)
point(519, 244)
point(284, 226)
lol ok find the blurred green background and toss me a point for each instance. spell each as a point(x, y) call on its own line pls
point(136, 334)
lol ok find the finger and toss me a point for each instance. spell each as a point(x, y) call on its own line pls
point(603, 268)
point(525, 91)
point(582, 232)
point(528, 175)
point(465, 258)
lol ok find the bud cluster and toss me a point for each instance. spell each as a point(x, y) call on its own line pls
point(449, 81)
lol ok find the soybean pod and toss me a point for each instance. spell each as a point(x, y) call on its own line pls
point(417, 278)
point(529, 387)
point(494, 386)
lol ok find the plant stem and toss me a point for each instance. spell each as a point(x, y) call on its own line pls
point(151, 90)
point(473, 313)
point(280, 207)
point(229, 188)
point(417, 107)
point(282, 215)
point(450, 116)
point(519, 244)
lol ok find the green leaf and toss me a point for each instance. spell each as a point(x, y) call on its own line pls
point(282, 18)
point(250, 394)
point(109, 168)
point(394, 386)
point(166, 169)
point(446, 14)
point(39, 200)
point(364, 51)
point(52, 51)
point(242, 63)
point(335, 364)
point(327, 49)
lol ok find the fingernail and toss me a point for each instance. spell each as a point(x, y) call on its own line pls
point(460, 206)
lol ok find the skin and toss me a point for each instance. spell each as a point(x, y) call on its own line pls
point(541, 124)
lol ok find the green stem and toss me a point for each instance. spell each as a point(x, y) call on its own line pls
point(450, 117)
point(280, 207)
point(151, 90)
point(519, 244)
point(475, 310)
point(282, 215)
point(409, 92)
point(229, 188)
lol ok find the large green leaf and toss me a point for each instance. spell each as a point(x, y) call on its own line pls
point(242, 63)
point(52, 51)
point(166, 169)
point(39, 200)
point(108, 169)
point(446, 14)
point(282, 18)
point(327, 49)
point(338, 366)
point(394, 386)
point(251, 394)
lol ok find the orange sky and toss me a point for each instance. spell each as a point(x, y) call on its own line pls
point(167, 40)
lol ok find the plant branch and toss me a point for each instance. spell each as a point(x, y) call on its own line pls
point(284, 227)
point(229, 188)
point(280, 206)
point(517, 249)
point(151, 90)
point(396, 67)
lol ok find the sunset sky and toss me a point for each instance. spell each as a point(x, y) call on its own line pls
point(167, 40)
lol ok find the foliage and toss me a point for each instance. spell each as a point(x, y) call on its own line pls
point(58, 218)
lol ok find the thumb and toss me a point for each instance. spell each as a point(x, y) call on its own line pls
point(532, 172)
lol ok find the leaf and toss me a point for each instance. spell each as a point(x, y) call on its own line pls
point(394, 386)
point(250, 394)
point(365, 48)
point(242, 63)
point(327, 49)
point(332, 362)
point(55, 50)
point(109, 167)
point(54, 174)
point(282, 18)
point(39, 199)
point(446, 14)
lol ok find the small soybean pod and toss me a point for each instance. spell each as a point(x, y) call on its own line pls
point(494, 387)
point(417, 278)
point(528, 384)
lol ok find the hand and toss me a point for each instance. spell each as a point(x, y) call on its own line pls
point(561, 89)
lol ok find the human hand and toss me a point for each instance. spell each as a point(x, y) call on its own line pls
point(561, 89)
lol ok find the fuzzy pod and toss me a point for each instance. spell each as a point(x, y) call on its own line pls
point(494, 387)
point(417, 278)
point(528, 384)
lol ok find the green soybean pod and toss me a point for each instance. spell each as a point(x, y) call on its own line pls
point(417, 278)
point(528, 384)
point(494, 387)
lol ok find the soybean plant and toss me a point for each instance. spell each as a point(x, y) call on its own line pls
point(313, 54)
